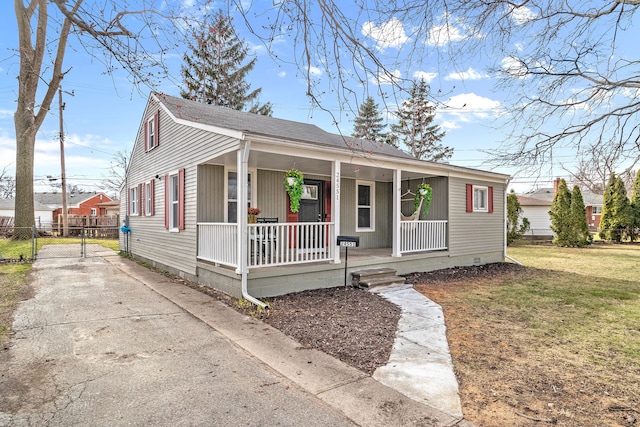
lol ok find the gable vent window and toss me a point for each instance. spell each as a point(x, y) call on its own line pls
point(152, 132)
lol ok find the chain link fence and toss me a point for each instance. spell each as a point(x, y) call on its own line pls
point(29, 243)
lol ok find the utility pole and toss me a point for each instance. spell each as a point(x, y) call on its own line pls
point(63, 178)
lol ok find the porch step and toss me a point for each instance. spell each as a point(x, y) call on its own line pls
point(375, 277)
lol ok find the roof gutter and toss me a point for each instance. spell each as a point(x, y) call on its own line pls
point(243, 164)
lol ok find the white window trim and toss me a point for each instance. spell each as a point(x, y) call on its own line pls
point(172, 218)
point(485, 191)
point(254, 189)
point(372, 219)
point(147, 199)
point(94, 212)
point(151, 133)
point(134, 209)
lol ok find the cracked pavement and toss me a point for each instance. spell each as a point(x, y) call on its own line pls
point(96, 347)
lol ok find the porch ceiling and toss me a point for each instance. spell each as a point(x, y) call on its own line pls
point(310, 166)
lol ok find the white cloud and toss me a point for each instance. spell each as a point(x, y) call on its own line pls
point(468, 107)
point(5, 114)
point(315, 71)
point(385, 79)
point(470, 74)
point(282, 74)
point(521, 15)
point(448, 125)
point(424, 75)
point(389, 34)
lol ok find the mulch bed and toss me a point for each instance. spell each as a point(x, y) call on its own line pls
point(353, 325)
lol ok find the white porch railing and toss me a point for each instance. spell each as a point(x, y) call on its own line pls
point(416, 236)
point(290, 243)
point(268, 244)
point(218, 242)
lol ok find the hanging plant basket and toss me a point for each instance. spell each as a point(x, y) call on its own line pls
point(293, 180)
point(424, 192)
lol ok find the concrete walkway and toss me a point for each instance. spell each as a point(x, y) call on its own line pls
point(96, 347)
point(420, 365)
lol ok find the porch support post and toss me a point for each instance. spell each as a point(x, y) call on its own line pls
point(241, 177)
point(243, 190)
point(335, 207)
point(397, 189)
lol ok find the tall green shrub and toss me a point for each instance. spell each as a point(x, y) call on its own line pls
point(607, 208)
point(617, 221)
point(560, 215)
point(580, 235)
point(635, 207)
point(517, 225)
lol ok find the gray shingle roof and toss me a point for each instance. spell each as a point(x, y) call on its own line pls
point(256, 124)
point(10, 204)
point(546, 195)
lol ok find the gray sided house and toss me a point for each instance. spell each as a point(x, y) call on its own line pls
point(195, 169)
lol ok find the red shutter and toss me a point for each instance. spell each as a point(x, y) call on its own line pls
point(469, 198)
point(156, 125)
point(181, 199)
point(140, 187)
point(490, 197)
point(166, 201)
point(146, 135)
point(152, 190)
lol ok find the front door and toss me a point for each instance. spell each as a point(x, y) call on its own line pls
point(312, 210)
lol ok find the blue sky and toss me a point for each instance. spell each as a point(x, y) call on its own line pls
point(104, 114)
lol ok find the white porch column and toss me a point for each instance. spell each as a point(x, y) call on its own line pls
point(242, 189)
point(335, 206)
point(397, 189)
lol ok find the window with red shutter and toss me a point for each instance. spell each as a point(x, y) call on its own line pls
point(479, 198)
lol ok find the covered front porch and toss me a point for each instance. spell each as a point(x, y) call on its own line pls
point(366, 196)
point(280, 244)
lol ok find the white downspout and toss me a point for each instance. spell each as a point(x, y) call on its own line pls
point(243, 187)
point(506, 195)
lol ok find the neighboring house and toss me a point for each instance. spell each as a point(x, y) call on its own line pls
point(196, 168)
point(42, 213)
point(85, 203)
point(536, 205)
point(109, 208)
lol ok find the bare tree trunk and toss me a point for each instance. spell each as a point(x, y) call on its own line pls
point(26, 138)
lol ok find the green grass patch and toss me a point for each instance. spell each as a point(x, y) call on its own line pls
point(14, 249)
point(13, 289)
point(586, 301)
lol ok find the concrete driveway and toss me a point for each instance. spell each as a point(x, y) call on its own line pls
point(96, 347)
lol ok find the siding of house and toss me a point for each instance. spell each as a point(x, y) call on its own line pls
point(210, 190)
point(381, 237)
point(179, 147)
point(538, 217)
point(472, 233)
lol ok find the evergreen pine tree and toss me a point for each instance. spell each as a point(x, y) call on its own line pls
point(635, 207)
point(580, 235)
point(607, 208)
point(622, 219)
point(368, 125)
point(517, 225)
point(214, 73)
point(560, 215)
point(415, 128)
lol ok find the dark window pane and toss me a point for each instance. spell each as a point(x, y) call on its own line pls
point(364, 195)
point(364, 218)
